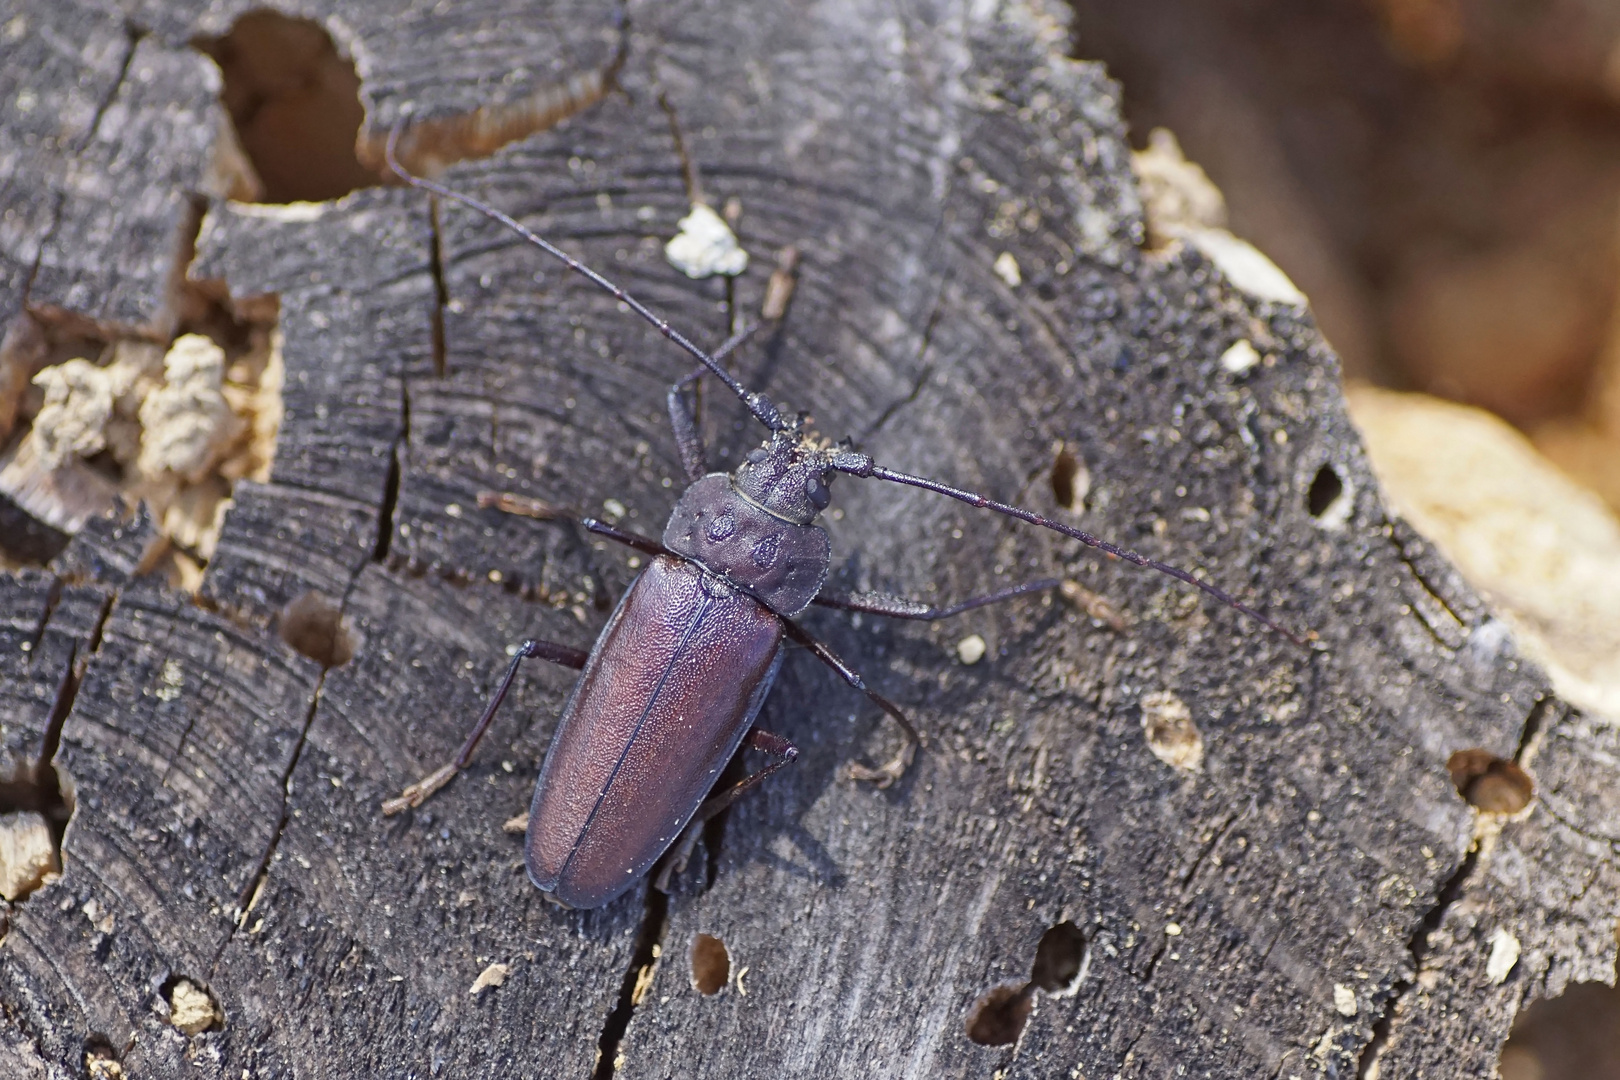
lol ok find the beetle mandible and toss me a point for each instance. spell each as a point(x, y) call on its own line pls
point(677, 676)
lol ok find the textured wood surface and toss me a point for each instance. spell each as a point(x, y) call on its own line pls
point(1321, 845)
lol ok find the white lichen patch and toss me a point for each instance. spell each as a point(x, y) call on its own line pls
point(1171, 734)
point(27, 855)
point(705, 246)
point(101, 920)
point(1344, 999)
point(173, 679)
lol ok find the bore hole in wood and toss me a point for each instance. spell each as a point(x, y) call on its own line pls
point(1060, 959)
point(101, 1060)
point(1576, 1034)
point(102, 419)
point(1490, 783)
point(192, 1006)
point(35, 805)
point(314, 626)
point(999, 1016)
point(1326, 489)
point(294, 101)
point(1071, 480)
point(711, 964)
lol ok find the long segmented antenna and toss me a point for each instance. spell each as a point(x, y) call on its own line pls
point(854, 465)
point(758, 404)
point(846, 461)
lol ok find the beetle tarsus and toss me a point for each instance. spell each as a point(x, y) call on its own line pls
point(901, 607)
point(886, 774)
point(523, 506)
point(416, 794)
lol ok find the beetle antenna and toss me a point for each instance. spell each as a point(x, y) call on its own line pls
point(758, 404)
point(858, 464)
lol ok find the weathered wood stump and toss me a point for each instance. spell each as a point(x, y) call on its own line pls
point(1314, 896)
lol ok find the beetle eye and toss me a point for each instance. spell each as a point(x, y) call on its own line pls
point(817, 492)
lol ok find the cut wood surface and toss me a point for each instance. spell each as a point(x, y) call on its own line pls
point(1313, 898)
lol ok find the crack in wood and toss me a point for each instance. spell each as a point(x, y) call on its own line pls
point(390, 498)
point(1535, 725)
point(1405, 538)
point(649, 943)
point(1205, 850)
point(1417, 948)
point(935, 311)
point(441, 291)
point(261, 875)
point(689, 174)
point(132, 37)
point(68, 690)
point(40, 788)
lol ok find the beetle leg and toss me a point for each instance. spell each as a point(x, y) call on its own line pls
point(782, 754)
point(625, 537)
point(417, 793)
point(683, 417)
point(900, 607)
point(892, 770)
point(522, 506)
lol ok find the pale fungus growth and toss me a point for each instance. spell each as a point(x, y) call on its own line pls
point(705, 246)
point(79, 402)
point(971, 649)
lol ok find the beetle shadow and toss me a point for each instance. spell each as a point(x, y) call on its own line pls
point(808, 705)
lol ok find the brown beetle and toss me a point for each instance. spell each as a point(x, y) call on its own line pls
point(672, 686)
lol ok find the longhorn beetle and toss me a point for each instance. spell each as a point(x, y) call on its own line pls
point(672, 686)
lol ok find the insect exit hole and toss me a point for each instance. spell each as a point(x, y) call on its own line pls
point(294, 101)
point(711, 964)
point(314, 626)
point(1071, 480)
point(1060, 959)
point(1490, 783)
point(1326, 489)
point(101, 1059)
point(999, 1016)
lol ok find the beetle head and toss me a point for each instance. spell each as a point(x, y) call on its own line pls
point(788, 474)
